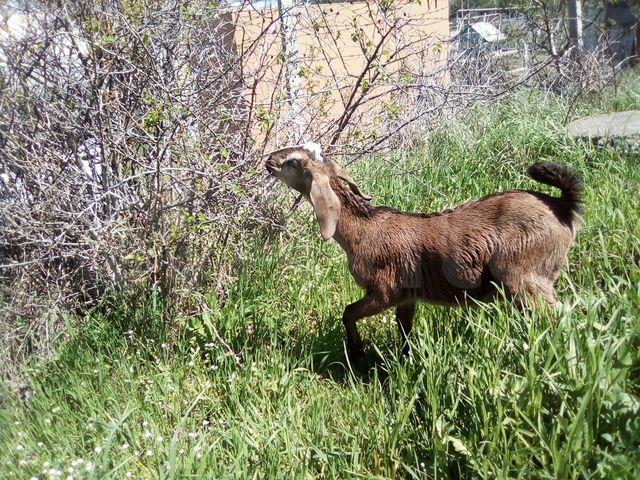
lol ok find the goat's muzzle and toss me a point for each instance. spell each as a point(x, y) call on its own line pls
point(271, 166)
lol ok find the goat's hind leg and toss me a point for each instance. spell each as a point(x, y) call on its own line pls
point(404, 317)
point(365, 307)
point(535, 291)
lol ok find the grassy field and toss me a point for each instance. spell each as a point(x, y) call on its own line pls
point(259, 387)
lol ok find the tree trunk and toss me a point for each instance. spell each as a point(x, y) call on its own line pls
point(575, 24)
point(288, 20)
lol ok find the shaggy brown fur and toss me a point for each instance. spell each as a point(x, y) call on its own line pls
point(518, 240)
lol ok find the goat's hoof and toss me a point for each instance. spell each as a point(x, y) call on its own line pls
point(356, 355)
point(406, 353)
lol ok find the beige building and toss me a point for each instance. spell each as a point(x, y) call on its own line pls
point(352, 62)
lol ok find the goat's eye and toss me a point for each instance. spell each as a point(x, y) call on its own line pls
point(292, 162)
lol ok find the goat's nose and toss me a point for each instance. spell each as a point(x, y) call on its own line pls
point(270, 166)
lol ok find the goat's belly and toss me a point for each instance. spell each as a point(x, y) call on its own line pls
point(452, 297)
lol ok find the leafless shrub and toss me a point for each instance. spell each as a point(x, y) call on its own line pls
point(126, 157)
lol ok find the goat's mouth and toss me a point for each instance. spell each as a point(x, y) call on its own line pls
point(271, 167)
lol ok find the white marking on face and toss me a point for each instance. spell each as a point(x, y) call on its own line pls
point(314, 149)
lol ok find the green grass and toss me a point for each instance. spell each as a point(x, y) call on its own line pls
point(259, 387)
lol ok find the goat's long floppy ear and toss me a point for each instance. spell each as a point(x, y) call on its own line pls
point(326, 205)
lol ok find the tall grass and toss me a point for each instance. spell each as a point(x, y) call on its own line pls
point(258, 387)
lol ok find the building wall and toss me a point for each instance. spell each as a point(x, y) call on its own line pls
point(335, 41)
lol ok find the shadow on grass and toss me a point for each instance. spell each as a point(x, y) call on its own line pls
point(328, 357)
point(321, 350)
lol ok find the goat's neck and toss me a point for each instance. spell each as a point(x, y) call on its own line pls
point(354, 221)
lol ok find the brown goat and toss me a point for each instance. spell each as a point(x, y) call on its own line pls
point(518, 240)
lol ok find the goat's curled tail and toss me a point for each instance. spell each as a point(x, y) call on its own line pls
point(560, 177)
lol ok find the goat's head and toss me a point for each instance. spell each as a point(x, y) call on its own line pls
point(305, 169)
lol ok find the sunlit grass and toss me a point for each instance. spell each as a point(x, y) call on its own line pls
point(258, 387)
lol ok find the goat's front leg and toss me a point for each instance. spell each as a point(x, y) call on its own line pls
point(404, 317)
point(365, 307)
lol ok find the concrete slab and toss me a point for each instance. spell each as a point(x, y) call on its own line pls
point(608, 127)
